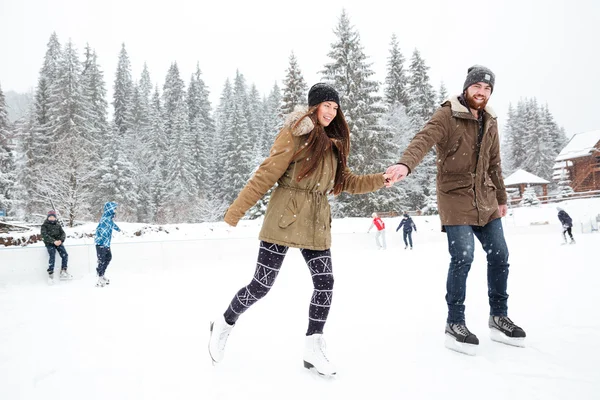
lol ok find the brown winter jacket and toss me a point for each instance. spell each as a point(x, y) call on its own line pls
point(468, 194)
point(298, 214)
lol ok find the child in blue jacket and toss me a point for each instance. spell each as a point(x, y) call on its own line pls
point(409, 225)
point(567, 223)
point(103, 238)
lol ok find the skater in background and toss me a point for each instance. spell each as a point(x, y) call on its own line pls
point(54, 237)
point(308, 161)
point(408, 225)
point(567, 224)
point(472, 200)
point(103, 238)
point(380, 226)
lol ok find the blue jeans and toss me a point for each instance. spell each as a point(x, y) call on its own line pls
point(405, 235)
point(461, 247)
point(104, 257)
point(52, 249)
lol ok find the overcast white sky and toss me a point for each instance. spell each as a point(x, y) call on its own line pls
point(544, 49)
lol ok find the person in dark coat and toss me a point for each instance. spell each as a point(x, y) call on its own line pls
point(54, 237)
point(471, 199)
point(567, 224)
point(408, 225)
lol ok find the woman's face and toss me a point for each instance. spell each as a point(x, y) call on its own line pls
point(326, 112)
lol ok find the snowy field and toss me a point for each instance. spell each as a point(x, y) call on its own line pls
point(145, 336)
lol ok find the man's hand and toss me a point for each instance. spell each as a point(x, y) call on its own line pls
point(396, 173)
point(503, 210)
point(57, 242)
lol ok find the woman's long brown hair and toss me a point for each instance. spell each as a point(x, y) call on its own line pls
point(320, 139)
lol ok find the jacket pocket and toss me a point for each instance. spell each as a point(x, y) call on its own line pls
point(290, 214)
point(489, 183)
point(452, 182)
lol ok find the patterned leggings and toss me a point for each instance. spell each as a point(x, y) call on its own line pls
point(270, 258)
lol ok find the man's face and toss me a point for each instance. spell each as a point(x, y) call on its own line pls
point(478, 95)
point(52, 218)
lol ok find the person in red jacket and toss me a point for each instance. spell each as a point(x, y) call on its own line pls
point(380, 225)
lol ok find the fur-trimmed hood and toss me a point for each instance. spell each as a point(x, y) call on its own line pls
point(305, 127)
point(460, 111)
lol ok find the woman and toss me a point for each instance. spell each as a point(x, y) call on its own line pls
point(308, 161)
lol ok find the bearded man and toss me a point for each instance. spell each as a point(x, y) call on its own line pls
point(471, 202)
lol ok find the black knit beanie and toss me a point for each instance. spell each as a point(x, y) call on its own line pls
point(321, 92)
point(479, 73)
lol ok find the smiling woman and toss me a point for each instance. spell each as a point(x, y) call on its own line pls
point(308, 161)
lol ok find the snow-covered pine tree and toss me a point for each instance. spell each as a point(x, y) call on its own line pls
point(507, 142)
point(540, 155)
point(137, 146)
point(422, 104)
point(7, 163)
point(69, 166)
point(395, 118)
point(34, 134)
point(117, 176)
point(529, 197)
point(216, 203)
point(239, 157)
point(24, 162)
point(350, 74)
point(294, 87)
point(555, 134)
point(139, 143)
point(256, 120)
point(93, 90)
point(564, 188)
point(519, 133)
point(273, 120)
point(396, 81)
point(532, 139)
point(422, 97)
point(442, 94)
point(123, 93)
point(183, 190)
point(202, 129)
point(223, 145)
point(272, 124)
point(157, 163)
point(145, 91)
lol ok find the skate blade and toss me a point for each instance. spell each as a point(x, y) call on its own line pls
point(214, 363)
point(500, 337)
point(312, 369)
point(464, 348)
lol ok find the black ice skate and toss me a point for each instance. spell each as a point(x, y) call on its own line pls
point(459, 338)
point(503, 330)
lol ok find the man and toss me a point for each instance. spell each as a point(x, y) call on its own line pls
point(54, 236)
point(471, 199)
point(567, 223)
point(409, 225)
point(380, 226)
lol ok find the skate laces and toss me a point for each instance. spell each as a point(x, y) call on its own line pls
point(322, 347)
point(223, 336)
point(505, 322)
point(462, 329)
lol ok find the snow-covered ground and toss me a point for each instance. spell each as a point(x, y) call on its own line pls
point(145, 336)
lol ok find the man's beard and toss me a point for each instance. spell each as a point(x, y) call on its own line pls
point(474, 104)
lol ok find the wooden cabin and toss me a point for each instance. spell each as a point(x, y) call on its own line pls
point(580, 162)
